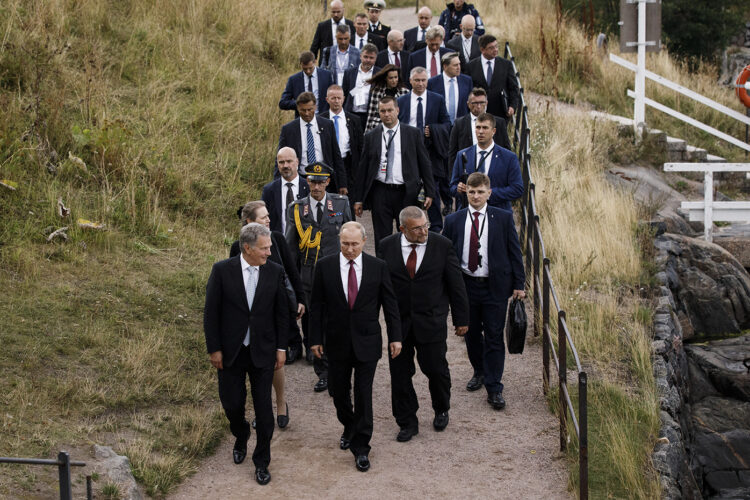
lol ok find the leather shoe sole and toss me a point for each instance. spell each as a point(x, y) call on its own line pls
point(406, 434)
point(262, 476)
point(441, 421)
point(362, 463)
point(496, 400)
point(344, 442)
point(475, 383)
point(321, 385)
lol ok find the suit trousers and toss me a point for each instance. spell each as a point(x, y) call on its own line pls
point(351, 175)
point(432, 362)
point(233, 393)
point(357, 419)
point(485, 344)
point(387, 202)
point(435, 216)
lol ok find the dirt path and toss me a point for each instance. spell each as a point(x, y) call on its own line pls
point(482, 454)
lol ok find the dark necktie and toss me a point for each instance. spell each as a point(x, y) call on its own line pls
point(474, 244)
point(389, 157)
point(361, 42)
point(482, 157)
point(420, 116)
point(489, 72)
point(289, 194)
point(310, 145)
point(352, 288)
point(434, 69)
point(411, 261)
point(319, 213)
point(424, 33)
point(309, 84)
point(398, 61)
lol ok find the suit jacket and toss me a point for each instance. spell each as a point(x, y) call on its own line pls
point(456, 43)
point(410, 39)
point(419, 58)
point(403, 57)
point(436, 84)
point(434, 113)
point(415, 164)
point(227, 314)
point(440, 273)
point(461, 137)
point(355, 330)
point(291, 136)
point(355, 129)
point(437, 118)
point(350, 82)
point(505, 175)
point(324, 36)
point(275, 199)
point(381, 30)
point(506, 272)
point(370, 37)
point(502, 88)
point(297, 83)
point(329, 60)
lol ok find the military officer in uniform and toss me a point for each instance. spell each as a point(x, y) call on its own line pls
point(312, 232)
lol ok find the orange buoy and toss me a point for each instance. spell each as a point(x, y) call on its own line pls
point(741, 86)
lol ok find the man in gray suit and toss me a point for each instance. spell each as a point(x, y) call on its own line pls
point(340, 57)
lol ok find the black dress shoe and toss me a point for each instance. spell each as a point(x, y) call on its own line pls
point(476, 383)
point(262, 476)
point(362, 463)
point(240, 450)
point(309, 356)
point(345, 442)
point(495, 399)
point(441, 421)
point(283, 420)
point(406, 434)
point(321, 385)
point(292, 355)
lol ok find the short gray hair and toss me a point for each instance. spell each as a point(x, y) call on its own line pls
point(250, 233)
point(448, 57)
point(416, 70)
point(355, 224)
point(343, 29)
point(410, 213)
point(434, 32)
point(249, 211)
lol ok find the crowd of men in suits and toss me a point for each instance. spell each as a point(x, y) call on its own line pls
point(438, 165)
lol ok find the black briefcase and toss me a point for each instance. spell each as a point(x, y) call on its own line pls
point(515, 327)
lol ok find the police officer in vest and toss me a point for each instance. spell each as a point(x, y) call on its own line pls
point(312, 232)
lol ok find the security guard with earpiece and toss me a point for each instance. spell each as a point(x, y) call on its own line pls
point(312, 232)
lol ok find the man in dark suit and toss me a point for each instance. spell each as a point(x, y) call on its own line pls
point(374, 8)
point(427, 278)
point(348, 291)
point(348, 131)
point(486, 243)
point(393, 167)
point(500, 164)
point(452, 86)
point(362, 36)
point(310, 79)
point(325, 33)
point(466, 43)
point(356, 87)
point(463, 133)
point(495, 75)
point(429, 57)
point(246, 323)
point(282, 191)
point(340, 57)
point(425, 110)
point(415, 38)
point(395, 54)
point(313, 138)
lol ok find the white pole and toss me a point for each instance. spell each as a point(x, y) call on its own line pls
point(639, 115)
point(708, 205)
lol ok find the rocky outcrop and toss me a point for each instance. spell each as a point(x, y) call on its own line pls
point(116, 469)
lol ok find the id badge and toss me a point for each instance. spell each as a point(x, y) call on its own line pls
point(384, 167)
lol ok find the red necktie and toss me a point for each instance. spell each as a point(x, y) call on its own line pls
point(398, 61)
point(352, 285)
point(474, 244)
point(411, 262)
point(433, 70)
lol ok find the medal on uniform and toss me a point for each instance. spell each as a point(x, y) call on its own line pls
point(330, 206)
point(305, 211)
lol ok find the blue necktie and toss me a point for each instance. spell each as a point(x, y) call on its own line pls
point(336, 126)
point(310, 145)
point(452, 101)
point(420, 118)
point(480, 167)
point(489, 72)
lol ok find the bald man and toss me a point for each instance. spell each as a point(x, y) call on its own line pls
point(325, 34)
point(395, 54)
point(466, 43)
point(415, 37)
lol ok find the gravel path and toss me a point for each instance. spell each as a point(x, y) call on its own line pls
point(482, 454)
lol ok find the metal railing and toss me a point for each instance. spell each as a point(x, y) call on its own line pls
point(63, 464)
point(545, 301)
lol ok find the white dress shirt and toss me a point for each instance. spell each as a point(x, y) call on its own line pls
point(398, 175)
point(392, 57)
point(314, 207)
point(343, 132)
point(361, 91)
point(447, 85)
point(406, 250)
point(342, 64)
point(247, 270)
point(484, 67)
point(295, 193)
point(316, 139)
point(414, 103)
point(483, 270)
point(357, 38)
point(428, 63)
point(489, 150)
point(344, 265)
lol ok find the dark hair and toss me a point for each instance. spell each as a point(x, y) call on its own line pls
point(360, 15)
point(486, 117)
point(387, 99)
point(379, 79)
point(369, 47)
point(477, 91)
point(477, 179)
point(485, 40)
point(306, 97)
point(306, 57)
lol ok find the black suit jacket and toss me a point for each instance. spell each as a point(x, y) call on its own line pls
point(227, 315)
point(403, 57)
point(419, 58)
point(456, 43)
point(324, 36)
point(354, 330)
point(415, 164)
point(382, 30)
point(423, 301)
point(291, 136)
point(410, 39)
point(355, 129)
point(274, 199)
point(503, 87)
point(461, 135)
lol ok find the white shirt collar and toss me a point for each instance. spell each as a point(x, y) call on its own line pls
point(390, 128)
point(365, 72)
point(312, 122)
point(447, 79)
point(482, 210)
point(343, 261)
point(485, 61)
point(294, 181)
point(245, 264)
point(340, 114)
point(488, 149)
point(466, 40)
point(314, 202)
point(407, 243)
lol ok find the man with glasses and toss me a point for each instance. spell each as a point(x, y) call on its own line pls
point(421, 261)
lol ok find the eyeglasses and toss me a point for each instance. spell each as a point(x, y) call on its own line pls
point(477, 103)
point(423, 227)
